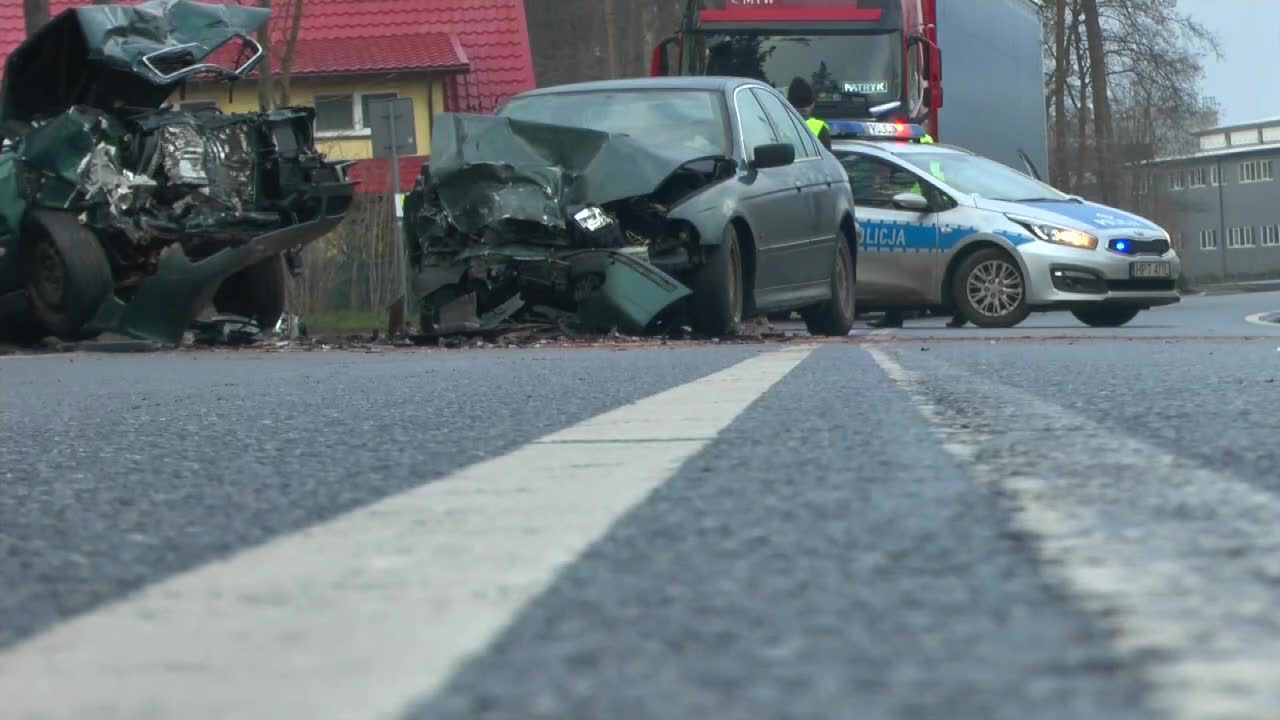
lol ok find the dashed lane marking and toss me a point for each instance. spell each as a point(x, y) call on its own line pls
point(1177, 559)
point(1265, 319)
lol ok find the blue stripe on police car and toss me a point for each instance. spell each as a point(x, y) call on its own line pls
point(890, 236)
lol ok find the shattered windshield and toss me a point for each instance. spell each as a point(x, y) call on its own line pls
point(841, 68)
point(980, 176)
point(693, 119)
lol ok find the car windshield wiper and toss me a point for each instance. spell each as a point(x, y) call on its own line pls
point(1040, 199)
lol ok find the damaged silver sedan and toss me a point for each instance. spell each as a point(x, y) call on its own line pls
point(633, 205)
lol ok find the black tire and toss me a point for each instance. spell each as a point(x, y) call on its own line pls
point(65, 272)
point(1106, 316)
point(257, 292)
point(991, 270)
point(834, 318)
point(716, 305)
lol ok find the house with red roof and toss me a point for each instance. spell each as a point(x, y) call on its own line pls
point(442, 55)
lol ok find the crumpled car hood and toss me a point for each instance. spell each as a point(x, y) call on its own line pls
point(488, 170)
point(105, 56)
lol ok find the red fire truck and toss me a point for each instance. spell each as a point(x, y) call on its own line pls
point(882, 60)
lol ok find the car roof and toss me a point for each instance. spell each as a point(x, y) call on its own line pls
point(683, 82)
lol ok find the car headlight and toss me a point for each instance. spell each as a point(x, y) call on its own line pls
point(1056, 234)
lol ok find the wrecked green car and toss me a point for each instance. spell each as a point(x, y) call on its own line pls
point(119, 213)
point(635, 205)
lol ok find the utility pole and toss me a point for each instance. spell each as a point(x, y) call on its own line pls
point(402, 250)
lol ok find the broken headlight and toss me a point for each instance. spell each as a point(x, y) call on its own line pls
point(595, 228)
point(592, 219)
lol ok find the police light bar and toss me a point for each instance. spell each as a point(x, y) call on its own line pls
point(875, 130)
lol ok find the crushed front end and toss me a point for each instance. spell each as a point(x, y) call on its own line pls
point(518, 222)
point(181, 208)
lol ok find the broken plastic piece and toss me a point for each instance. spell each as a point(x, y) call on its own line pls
point(632, 295)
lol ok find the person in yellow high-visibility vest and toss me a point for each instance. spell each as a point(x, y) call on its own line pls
point(935, 169)
point(802, 98)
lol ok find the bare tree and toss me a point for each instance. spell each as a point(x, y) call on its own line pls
point(1102, 126)
point(1138, 99)
point(36, 14)
point(289, 26)
point(1060, 93)
point(279, 39)
point(266, 77)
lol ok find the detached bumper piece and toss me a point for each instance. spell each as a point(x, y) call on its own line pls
point(632, 294)
point(166, 303)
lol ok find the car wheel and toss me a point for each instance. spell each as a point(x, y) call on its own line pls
point(717, 288)
point(66, 274)
point(834, 318)
point(1106, 316)
point(990, 290)
point(257, 292)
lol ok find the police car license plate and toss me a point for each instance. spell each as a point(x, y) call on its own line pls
point(1150, 270)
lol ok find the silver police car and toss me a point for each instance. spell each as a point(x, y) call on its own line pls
point(941, 227)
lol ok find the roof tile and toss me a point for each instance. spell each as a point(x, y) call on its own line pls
point(398, 35)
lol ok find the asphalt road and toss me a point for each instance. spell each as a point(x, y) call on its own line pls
point(1047, 522)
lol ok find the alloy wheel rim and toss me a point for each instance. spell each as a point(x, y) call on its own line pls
point(995, 288)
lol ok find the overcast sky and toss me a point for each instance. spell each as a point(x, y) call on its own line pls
point(1246, 81)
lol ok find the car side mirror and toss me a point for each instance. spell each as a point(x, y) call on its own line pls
point(910, 201)
point(773, 155)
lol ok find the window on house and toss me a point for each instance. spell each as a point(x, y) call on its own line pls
point(1199, 177)
point(367, 103)
point(1241, 237)
point(1270, 235)
point(1215, 176)
point(1256, 171)
point(1143, 183)
point(1208, 239)
point(1178, 180)
point(335, 113)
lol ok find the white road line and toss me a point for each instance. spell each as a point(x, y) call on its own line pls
point(1257, 319)
point(1186, 579)
point(360, 616)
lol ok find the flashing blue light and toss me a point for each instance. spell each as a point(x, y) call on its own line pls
point(1123, 246)
point(875, 130)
